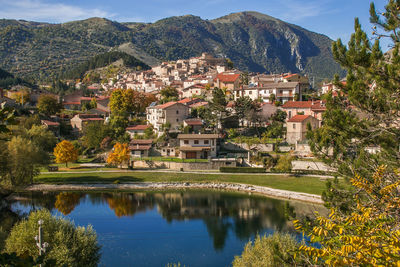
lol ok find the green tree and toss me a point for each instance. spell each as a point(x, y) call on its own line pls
point(366, 111)
point(118, 124)
point(23, 161)
point(218, 107)
point(149, 133)
point(168, 94)
point(272, 98)
point(48, 105)
point(243, 106)
point(68, 245)
point(6, 117)
point(41, 137)
point(121, 102)
point(363, 226)
point(94, 133)
point(284, 163)
point(244, 78)
point(229, 63)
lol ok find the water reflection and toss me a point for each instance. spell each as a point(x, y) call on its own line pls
point(221, 213)
point(66, 202)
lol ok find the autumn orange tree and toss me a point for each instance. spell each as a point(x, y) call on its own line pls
point(65, 152)
point(119, 155)
point(369, 235)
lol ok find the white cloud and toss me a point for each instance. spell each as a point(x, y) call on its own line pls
point(38, 10)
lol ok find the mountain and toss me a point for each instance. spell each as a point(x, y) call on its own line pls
point(103, 60)
point(253, 41)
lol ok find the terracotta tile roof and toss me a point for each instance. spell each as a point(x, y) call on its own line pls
point(227, 78)
point(194, 122)
point(185, 100)
point(290, 75)
point(299, 118)
point(318, 106)
point(137, 127)
point(85, 116)
point(280, 85)
point(141, 142)
point(71, 103)
point(166, 105)
point(197, 136)
point(297, 104)
point(85, 98)
point(92, 119)
point(50, 123)
point(199, 104)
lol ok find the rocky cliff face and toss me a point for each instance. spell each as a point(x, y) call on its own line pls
point(253, 41)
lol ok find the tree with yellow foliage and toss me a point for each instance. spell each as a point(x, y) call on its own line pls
point(369, 235)
point(119, 155)
point(65, 152)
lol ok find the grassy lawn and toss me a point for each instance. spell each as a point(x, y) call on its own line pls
point(312, 185)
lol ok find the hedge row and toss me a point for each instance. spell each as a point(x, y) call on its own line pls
point(303, 172)
point(242, 170)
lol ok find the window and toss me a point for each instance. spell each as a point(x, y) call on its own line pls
point(186, 142)
point(206, 142)
point(294, 125)
point(177, 120)
point(250, 92)
point(177, 112)
point(196, 142)
point(290, 114)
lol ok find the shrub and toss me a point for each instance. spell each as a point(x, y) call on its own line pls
point(241, 170)
point(284, 164)
point(68, 245)
point(275, 250)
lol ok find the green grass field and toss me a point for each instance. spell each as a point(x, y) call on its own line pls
point(312, 185)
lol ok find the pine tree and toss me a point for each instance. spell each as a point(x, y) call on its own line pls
point(365, 112)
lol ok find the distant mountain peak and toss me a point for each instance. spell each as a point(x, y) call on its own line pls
point(233, 17)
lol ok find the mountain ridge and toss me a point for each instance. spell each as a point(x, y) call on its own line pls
point(253, 41)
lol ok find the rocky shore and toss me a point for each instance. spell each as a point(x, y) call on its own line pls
point(271, 192)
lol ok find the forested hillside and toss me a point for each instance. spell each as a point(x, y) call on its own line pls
point(253, 41)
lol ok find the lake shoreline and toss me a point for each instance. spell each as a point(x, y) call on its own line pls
point(262, 190)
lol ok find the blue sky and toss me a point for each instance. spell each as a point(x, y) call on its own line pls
point(334, 18)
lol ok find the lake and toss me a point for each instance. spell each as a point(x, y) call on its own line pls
point(195, 228)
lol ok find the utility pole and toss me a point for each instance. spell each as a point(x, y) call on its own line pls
point(38, 238)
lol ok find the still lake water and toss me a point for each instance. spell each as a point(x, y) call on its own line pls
point(195, 228)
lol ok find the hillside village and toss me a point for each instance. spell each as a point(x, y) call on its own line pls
point(253, 118)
